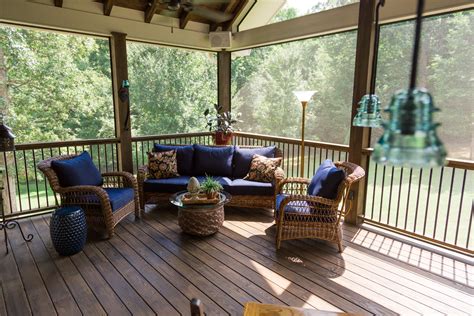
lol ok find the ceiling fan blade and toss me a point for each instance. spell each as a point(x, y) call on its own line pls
point(212, 15)
point(198, 2)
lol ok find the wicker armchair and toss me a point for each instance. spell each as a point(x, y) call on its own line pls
point(305, 216)
point(94, 199)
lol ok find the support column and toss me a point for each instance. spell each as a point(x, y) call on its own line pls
point(118, 49)
point(360, 136)
point(223, 80)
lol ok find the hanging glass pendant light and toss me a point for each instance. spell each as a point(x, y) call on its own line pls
point(410, 137)
point(368, 113)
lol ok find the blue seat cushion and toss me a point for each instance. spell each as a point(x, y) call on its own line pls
point(213, 161)
point(79, 170)
point(245, 187)
point(173, 185)
point(119, 197)
point(302, 208)
point(326, 180)
point(243, 158)
point(184, 157)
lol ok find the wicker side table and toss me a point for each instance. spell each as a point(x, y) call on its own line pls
point(200, 219)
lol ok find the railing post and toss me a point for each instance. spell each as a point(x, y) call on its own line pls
point(223, 79)
point(360, 136)
point(118, 49)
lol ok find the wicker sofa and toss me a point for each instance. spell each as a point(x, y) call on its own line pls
point(197, 160)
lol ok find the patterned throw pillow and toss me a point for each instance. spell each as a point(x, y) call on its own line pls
point(262, 169)
point(162, 165)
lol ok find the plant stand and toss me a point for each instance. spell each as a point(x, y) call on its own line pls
point(6, 224)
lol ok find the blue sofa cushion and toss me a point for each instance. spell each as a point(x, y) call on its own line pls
point(213, 161)
point(169, 185)
point(326, 180)
point(245, 187)
point(243, 158)
point(79, 170)
point(173, 185)
point(184, 157)
point(302, 208)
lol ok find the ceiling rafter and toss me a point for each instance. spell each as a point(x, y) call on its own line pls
point(236, 9)
point(229, 8)
point(151, 9)
point(184, 19)
point(58, 3)
point(108, 4)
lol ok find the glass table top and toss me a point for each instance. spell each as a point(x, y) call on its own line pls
point(176, 199)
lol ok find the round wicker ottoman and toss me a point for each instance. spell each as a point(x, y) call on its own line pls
point(200, 219)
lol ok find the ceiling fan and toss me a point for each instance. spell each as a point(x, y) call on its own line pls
point(197, 8)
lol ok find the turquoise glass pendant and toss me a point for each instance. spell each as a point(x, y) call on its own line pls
point(410, 137)
point(368, 113)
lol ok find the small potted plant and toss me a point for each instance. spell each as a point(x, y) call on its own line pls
point(221, 123)
point(211, 187)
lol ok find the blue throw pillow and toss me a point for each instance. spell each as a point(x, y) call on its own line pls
point(326, 180)
point(243, 158)
point(79, 170)
point(184, 157)
point(213, 161)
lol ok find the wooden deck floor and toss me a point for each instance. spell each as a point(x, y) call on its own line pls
point(151, 267)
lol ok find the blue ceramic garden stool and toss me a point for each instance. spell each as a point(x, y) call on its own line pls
point(68, 230)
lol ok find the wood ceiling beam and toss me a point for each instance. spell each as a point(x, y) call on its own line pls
point(58, 3)
point(229, 8)
point(108, 4)
point(184, 19)
point(150, 11)
point(236, 12)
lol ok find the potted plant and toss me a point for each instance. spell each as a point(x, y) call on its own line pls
point(211, 187)
point(221, 123)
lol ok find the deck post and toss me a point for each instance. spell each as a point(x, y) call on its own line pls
point(118, 50)
point(360, 136)
point(223, 80)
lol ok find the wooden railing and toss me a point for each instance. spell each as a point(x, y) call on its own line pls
point(27, 192)
point(431, 204)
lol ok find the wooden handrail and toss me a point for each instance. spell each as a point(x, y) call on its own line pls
point(68, 143)
point(450, 162)
point(169, 136)
point(288, 140)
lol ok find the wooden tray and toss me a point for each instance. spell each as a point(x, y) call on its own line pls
point(201, 199)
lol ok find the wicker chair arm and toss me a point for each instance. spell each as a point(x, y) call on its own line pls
point(142, 173)
point(308, 198)
point(293, 184)
point(119, 179)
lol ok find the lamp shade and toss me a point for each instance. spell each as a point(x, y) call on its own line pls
point(303, 96)
point(6, 138)
point(410, 137)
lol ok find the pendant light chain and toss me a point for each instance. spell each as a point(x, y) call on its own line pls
point(416, 49)
point(376, 46)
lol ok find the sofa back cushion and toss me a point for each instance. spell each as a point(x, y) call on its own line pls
point(184, 156)
point(243, 158)
point(326, 180)
point(79, 170)
point(213, 161)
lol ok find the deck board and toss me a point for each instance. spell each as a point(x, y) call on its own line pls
point(149, 266)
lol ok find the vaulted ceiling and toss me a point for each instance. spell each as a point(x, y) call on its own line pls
point(215, 13)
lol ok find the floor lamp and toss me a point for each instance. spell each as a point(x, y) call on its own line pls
point(7, 144)
point(303, 97)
